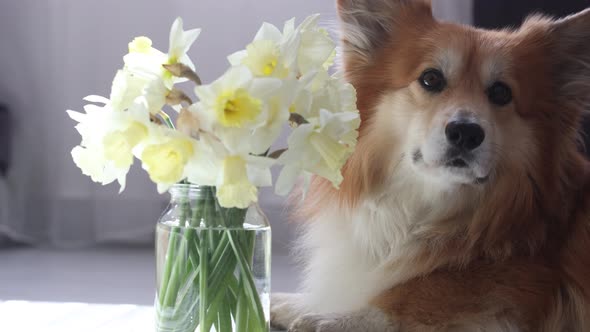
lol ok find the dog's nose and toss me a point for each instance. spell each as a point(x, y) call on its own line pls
point(464, 135)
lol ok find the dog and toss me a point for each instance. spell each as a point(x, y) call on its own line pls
point(466, 204)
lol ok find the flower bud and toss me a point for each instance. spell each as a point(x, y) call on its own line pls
point(182, 70)
point(187, 123)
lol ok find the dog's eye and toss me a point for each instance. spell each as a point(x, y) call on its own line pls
point(500, 94)
point(432, 80)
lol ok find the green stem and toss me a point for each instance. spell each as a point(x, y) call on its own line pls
point(175, 256)
point(225, 317)
point(169, 264)
point(167, 119)
point(242, 311)
point(248, 282)
point(203, 298)
point(221, 301)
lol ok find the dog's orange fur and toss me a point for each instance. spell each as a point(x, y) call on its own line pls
point(520, 250)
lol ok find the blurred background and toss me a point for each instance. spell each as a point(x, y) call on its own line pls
point(64, 238)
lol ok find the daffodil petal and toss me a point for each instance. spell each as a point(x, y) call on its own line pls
point(238, 77)
point(180, 40)
point(289, 27)
point(287, 179)
point(258, 169)
point(235, 189)
point(76, 116)
point(264, 87)
point(97, 99)
point(236, 58)
point(268, 32)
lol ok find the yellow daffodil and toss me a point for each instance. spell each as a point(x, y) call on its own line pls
point(234, 105)
point(165, 161)
point(140, 45)
point(235, 189)
point(235, 108)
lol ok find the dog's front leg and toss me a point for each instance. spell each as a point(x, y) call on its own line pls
point(369, 319)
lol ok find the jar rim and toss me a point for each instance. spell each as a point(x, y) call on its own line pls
point(187, 188)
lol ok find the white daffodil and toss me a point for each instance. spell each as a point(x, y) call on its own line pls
point(203, 167)
point(316, 50)
point(128, 86)
point(180, 42)
point(144, 74)
point(156, 94)
point(336, 96)
point(302, 95)
point(236, 177)
point(94, 165)
point(108, 139)
point(235, 105)
point(264, 59)
point(125, 88)
point(319, 149)
point(271, 54)
point(145, 59)
point(277, 115)
point(294, 52)
point(324, 92)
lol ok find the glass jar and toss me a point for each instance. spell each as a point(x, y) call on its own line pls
point(212, 265)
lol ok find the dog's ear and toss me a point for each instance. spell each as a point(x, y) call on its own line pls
point(571, 37)
point(368, 24)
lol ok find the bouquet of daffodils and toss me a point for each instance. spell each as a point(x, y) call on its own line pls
point(224, 139)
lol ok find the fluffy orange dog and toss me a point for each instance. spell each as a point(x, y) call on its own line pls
point(466, 206)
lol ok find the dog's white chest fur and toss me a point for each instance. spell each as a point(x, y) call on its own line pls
point(348, 254)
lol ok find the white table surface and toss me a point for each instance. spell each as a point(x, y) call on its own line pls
point(27, 316)
point(54, 287)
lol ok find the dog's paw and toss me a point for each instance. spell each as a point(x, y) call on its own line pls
point(284, 309)
point(365, 320)
point(315, 323)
